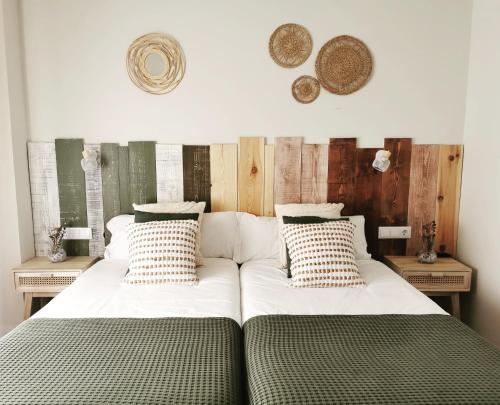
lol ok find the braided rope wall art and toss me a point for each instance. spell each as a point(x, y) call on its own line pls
point(156, 63)
point(290, 45)
point(305, 89)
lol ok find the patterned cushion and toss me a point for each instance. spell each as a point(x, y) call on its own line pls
point(322, 255)
point(162, 252)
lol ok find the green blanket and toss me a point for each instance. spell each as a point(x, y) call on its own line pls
point(384, 359)
point(122, 361)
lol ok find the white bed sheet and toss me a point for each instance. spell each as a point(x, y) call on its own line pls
point(265, 291)
point(98, 293)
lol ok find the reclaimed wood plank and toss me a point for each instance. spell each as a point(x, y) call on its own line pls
point(124, 180)
point(367, 191)
point(269, 180)
point(93, 192)
point(224, 177)
point(314, 177)
point(110, 174)
point(448, 197)
point(341, 172)
point(196, 173)
point(72, 198)
point(44, 192)
point(169, 177)
point(287, 169)
point(395, 191)
point(142, 172)
point(251, 175)
point(422, 194)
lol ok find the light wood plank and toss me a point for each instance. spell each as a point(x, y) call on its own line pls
point(224, 177)
point(110, 174)
point(142, 172)
point(269, 180)
point(423, 193)
point(44, 192)
point(196, 173)
point(448, 197)
point(287, 170)
point(93, 190)
point(169, 176)
point(251, 175)
point(314, 178)
point(341, 172)
point(72, 198)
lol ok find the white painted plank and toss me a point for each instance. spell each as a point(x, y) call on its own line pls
point(95, 216)
point(169, 173)
point(44, 192)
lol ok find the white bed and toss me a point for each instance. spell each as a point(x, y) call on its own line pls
point(265, 291)
point(98, 293)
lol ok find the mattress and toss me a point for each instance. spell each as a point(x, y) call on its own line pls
point(98, 293)
point(265, 291)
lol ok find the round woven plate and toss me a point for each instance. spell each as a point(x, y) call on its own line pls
point(343, 65)
point(290, 45)
point(305, 89)
point(173, 58)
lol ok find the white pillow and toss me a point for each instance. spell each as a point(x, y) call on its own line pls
point(179, 207)
point(118, 245)
point(360, 245)
point(257, 238)
point(219, 234)
point(327, 210)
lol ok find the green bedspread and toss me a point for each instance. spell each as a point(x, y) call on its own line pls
point(122, 361)
point(383, 359)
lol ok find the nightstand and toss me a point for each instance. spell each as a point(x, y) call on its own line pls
point(446, 277)
point(38, 277)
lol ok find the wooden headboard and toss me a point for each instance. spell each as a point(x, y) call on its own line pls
point(422, 184)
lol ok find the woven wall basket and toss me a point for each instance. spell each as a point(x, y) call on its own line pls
point(172, 58)
point(305, 89)
point(290, 45)
point(343, 65)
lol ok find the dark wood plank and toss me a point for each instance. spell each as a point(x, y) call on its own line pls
point(341, 173)
point(287, 169)
point(423, 192)
point(123, 174)
point(142, 172)
point(394, 193)
point(72, 196)
point(367, 192)
point(196, 167)
point(110, 167)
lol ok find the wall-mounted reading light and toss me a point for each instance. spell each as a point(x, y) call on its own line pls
point(382, 162)
point(90, 160)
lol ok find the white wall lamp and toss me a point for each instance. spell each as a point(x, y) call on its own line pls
point(382, 162)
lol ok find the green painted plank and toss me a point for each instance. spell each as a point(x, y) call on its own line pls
point(72, 196)
point(125, 204)
point(196, 173)
point(110, 164)
point(142, 172)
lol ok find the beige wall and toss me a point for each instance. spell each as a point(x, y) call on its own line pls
point(479, 242)
point(78, 84)
point(16, 236)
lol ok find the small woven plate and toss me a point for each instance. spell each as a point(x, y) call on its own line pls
point(290, 45)
point(305, 89)
point(343, 65)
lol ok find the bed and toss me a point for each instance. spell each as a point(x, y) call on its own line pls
point(386, 343)
point(100, 342)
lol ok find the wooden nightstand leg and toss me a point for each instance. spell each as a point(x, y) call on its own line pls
point(455, 304)
point(28, 300)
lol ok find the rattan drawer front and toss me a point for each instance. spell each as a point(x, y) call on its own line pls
point(438, 281)
point(45, 281)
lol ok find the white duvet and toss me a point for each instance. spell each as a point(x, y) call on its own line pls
point(98, 293)
point(265, 291)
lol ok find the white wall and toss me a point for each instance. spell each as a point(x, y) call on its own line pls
point(78, 85)
point(479, 242)
point(16, 235)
